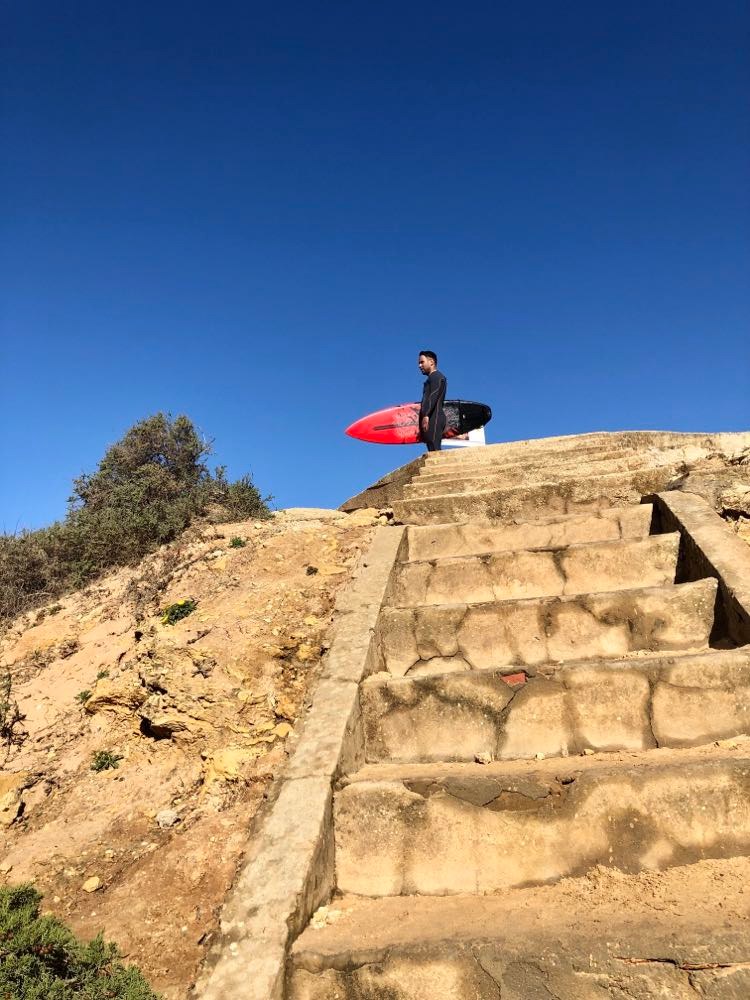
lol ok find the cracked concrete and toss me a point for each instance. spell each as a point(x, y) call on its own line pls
point(454, 832)
point(535, 631)
point(574, 940)
point(556, 711)
point(466, 539)
point(561, 571)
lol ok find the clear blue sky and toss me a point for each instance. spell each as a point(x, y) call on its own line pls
point(256, 214)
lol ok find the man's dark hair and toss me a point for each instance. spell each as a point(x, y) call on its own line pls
point(430, 354)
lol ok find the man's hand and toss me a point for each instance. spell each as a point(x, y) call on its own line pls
point(425, 424)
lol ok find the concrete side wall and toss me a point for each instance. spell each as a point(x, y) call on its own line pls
point(386, 490)
point(289, 871)
point(710, 549)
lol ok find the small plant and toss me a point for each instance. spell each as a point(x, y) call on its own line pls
point(54, 609)
point(41, 959)
point(104, 760)
point(176, 612)
point(38, 659)
point(237, 543)
point(67, 647)
point(102, 674)
point(83, 696)
point(11, 717)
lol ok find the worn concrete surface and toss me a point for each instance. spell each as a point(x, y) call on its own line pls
point(556, 711)
point(556, 452)
point(442, 828)
point(574, 569)
point(589, 938)
point(486, 477)
point(527, 501)
point(542, 630)
point(447, 541)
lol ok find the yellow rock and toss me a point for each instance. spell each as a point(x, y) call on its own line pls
point(284, 707)
point(329, 570)
point(226, 764)
point(362, 518)
point(12, 784)
point(92, 884)
point(282, 730)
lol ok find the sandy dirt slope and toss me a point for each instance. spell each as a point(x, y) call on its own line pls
point(201, 714)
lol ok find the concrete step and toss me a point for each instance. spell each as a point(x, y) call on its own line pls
point(441, 638)
point(682, 934)
point(437, 829)
point(481, 482)
point(527, 501)
point(607, 705)
point(583, 444)
point(575, 569)
point(455, 479)
point(529, 451)
point(477, 460)
point(448, 540)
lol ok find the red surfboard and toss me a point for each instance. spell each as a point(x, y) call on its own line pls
point(400, 424)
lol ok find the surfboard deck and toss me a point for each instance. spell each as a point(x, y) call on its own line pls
point(400, 424)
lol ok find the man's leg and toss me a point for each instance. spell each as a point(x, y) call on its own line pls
point(434, 436)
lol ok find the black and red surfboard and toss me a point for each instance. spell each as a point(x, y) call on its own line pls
point(400, 424)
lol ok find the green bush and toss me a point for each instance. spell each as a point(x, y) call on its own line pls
point(237, 543)
point(147, 489)
point(176, 612)
point(41, 959)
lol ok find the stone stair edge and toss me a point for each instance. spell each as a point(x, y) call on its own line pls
point(649, 540)
point(553, 935)
point(628, 438)
point(648, 660)
point(610, 478)
point(608, 513)
point(733, 749)
point(477, 469)
point(705, 583)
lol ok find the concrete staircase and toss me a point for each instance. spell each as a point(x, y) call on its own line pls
point(554, 800)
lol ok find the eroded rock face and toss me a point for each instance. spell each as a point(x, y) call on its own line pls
point(12, 785)
point(194, 717)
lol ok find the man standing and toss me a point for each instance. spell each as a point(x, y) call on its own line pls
point(431, 413)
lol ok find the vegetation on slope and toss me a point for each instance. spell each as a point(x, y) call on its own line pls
point(147, 489)
point(40, 959)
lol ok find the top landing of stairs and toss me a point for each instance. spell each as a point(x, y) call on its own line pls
point(520, 480)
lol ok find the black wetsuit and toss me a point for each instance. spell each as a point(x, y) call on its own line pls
point(433, 397)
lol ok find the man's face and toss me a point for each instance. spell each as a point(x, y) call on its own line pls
point(426, 365)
